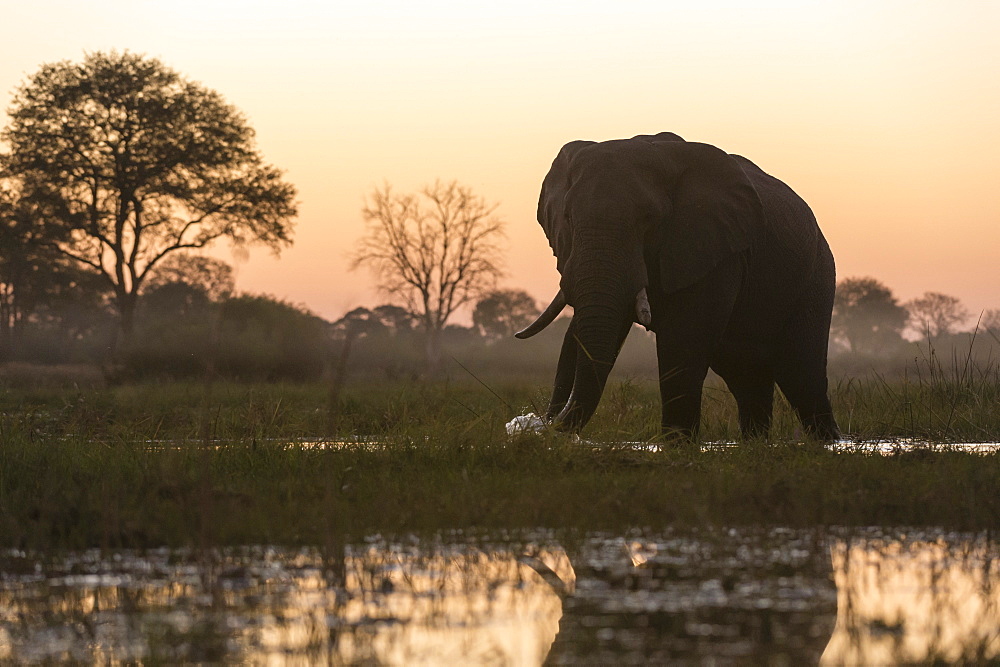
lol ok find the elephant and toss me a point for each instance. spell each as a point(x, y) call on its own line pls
point(723, 262)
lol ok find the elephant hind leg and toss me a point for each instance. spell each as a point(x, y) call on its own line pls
point(812, 406)
point(801, 376)
point(802, 350)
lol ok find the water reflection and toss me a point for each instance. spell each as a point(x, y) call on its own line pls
point(886, 446)
point(380, 602)
point(734, 596)
point(900, 445)
point(916, 598)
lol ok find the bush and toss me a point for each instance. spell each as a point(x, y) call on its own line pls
point(248, 337)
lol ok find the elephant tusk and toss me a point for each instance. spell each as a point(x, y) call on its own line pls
point(643, 314)
point(545, 319)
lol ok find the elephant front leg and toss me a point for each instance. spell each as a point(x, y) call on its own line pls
point(756, 408)
point(689, 325)
point(682, 374)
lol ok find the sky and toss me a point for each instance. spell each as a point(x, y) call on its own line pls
point(884, 116)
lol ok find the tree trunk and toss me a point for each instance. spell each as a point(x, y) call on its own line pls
point(126, 314)
point(337, 376)
point(432, 350)
point(6, 329)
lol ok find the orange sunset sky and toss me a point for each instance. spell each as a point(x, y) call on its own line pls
point(884, 116)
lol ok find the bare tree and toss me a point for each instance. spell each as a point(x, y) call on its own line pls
point(436, 251)
point(935, 314)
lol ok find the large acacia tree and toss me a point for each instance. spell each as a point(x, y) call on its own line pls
point(146, 163)
point(501, 313)
point(436, 251)
point(867, 315)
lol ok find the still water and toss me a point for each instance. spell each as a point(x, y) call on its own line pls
point(765, 596)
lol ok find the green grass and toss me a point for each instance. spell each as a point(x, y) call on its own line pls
point(202, 465)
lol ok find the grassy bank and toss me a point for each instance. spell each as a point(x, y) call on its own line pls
point(199, 464)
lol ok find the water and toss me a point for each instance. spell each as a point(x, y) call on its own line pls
point(887, 446)
point(736, 596)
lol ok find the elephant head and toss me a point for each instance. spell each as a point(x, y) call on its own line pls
point(626, 218)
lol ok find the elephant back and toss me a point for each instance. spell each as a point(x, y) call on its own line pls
point(790, 249)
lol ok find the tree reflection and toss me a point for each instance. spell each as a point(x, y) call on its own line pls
point(379, 603)
point(916, 599)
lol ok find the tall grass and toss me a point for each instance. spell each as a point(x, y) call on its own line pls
point(115, 491)
point(934, 405)
point(940, 400)
point(225, 463)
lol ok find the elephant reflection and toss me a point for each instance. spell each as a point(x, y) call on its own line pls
point(462, 606)
point(725, 263)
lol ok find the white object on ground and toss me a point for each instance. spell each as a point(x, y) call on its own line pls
point(529, 423)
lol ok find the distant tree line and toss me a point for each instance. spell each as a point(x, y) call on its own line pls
point(189, 322)
point(872, 331)
point(868, 319)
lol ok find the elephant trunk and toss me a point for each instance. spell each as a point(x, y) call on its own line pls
point(565, 374)
point(595, 337)
point(604, 279)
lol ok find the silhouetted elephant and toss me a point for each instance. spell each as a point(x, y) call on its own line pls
point(725, 263)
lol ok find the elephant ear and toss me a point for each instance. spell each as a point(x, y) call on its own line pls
point(552, 203)
point(714, 211)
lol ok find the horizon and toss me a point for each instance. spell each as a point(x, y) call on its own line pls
point(880, 115)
